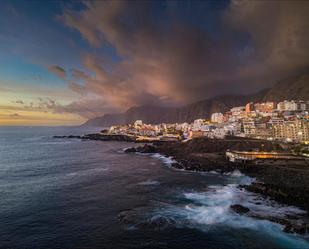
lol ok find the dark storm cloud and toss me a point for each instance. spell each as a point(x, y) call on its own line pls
point(279, 31)
point(171, 61)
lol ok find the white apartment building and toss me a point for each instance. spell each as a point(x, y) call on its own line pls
point(138, 123)
point(287, 105)
point(297, 130)
point(197, 124)
point(219, 133)
point(238, 110)
point(249, 127)
point(217, 117)
point(302, 105)
point(233, 129)
point(276, 121)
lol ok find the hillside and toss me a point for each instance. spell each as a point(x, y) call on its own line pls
point(291, 88)
point(296, 88)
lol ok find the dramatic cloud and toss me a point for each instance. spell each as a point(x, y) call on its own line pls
point(87, 108)
point(170, 61)
point(279, 31)
point(18, 102)
point(59, 71)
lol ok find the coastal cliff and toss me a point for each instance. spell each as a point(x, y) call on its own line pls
point(296, 88)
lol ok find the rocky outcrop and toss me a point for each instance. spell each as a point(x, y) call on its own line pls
point(298, 196)
point(70, 136)
point(298, 225)
point(147, 148)
point(101, 137)
point(286, 182)
point(204, 154)
point(239, 209)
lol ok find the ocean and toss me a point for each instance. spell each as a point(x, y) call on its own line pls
point(67, 193)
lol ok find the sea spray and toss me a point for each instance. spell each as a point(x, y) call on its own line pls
point(211, 210)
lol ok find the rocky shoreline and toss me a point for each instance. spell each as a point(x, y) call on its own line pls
point(101, 137)
point(284, 182)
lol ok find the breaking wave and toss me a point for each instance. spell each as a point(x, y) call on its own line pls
point(149, 182)
point(211, 210)
point(166, 160)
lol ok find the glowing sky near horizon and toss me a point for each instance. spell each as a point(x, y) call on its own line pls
point(62, 62)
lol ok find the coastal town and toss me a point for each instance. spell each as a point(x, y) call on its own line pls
point(286, 121)
point(266, 141)
point(154, 124)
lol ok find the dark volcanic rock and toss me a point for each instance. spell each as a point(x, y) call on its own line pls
point(177, 166)
point(102, 137)
point(130, 150)
point(74, 136)
point(239, 209)
point(107, 137)
point(280, 192)
point(298, 225)
point(147, 148)
point(70, 136)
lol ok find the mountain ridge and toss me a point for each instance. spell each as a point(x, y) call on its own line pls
point(296, 87)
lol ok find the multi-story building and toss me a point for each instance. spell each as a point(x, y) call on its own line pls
point(219, 133)
point(248, 127)
point(238, 110)
point(197, 124)
point(302, 105)
point(265, 107)
point(249, 107)
point(287, 105)
point(195, 134)
point(296, 130)
point(303, 131)
point(217, 117)
point(138, 123)
point(233, 129)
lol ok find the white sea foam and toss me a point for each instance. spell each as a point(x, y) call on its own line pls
point(212, 172)
point(33, 139)
point(211, 210)
point(55, 142)
point(246, 180)
point(235, 173)
point(149, 182)
point(87, 172)
point(166, 160)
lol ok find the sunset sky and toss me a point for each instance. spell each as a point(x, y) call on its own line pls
point(63, 62)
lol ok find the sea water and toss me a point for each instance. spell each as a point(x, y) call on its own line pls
point(68, 193)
